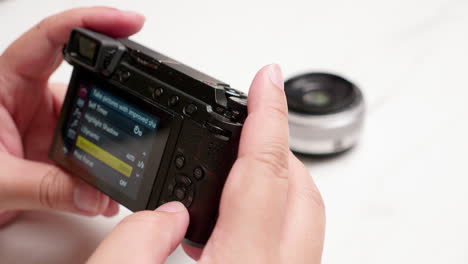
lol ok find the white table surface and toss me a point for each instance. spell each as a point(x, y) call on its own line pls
point(399, 197)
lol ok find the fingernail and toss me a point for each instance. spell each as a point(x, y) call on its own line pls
point(276, 76)
point(86, 198)
point(104, 203)
point(172, 207)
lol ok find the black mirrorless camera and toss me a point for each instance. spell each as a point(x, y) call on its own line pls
point(146, 129)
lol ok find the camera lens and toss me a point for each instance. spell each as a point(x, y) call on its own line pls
point(326, 113)
point(319, 93)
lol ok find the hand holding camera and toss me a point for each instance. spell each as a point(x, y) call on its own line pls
point(29, 109)
point(270, 210)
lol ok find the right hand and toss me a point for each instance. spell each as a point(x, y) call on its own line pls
point(270, 211)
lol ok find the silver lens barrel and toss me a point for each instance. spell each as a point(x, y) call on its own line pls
point(318, 128)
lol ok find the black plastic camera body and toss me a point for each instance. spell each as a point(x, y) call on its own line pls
point(146, 129)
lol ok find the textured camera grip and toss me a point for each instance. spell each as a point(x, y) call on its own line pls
point(201, 163)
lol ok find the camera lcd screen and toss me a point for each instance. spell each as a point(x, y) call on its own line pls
point(109, 137)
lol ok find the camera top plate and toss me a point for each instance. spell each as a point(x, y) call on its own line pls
point(112, 55)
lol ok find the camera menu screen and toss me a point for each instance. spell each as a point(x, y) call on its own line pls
point(110, 137)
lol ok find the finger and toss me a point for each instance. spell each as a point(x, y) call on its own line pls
point(145, 237)
point(31, 59)
point(112, 209)
point(58, 91)
point(193, 252)
point(7, 217)
point(33, 185)
point(265, 135)
point(254, 196)
point(304, 226)
point(35, 55)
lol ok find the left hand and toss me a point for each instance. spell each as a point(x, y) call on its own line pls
point(29, 110)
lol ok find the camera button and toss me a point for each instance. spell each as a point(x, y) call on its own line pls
point(190, 109)
point(221, 133)
point(108, 54)
point(184, 180)
point(228, 114)
point(174, 100)
point(179, 161)
point(198, 173)
point(158, 92)
point(219, 110)
point(123, 76)
point(235, 115)
point(188, 201)
point(179, 193)
point(170, 188)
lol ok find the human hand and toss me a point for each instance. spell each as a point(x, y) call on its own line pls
point(29, 110)
point(270, 211)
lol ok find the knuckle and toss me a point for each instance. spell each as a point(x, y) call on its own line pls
point(274, 157)
point(277, 111)
point(51, 189)
point(44, 25)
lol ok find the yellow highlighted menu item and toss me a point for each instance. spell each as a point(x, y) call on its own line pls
point(104, 156)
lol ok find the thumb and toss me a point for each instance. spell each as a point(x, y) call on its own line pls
point(29, 185)
point(144, 237)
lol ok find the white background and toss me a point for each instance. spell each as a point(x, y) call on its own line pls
point(399, 197)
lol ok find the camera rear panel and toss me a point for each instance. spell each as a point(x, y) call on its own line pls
point(146, 129)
